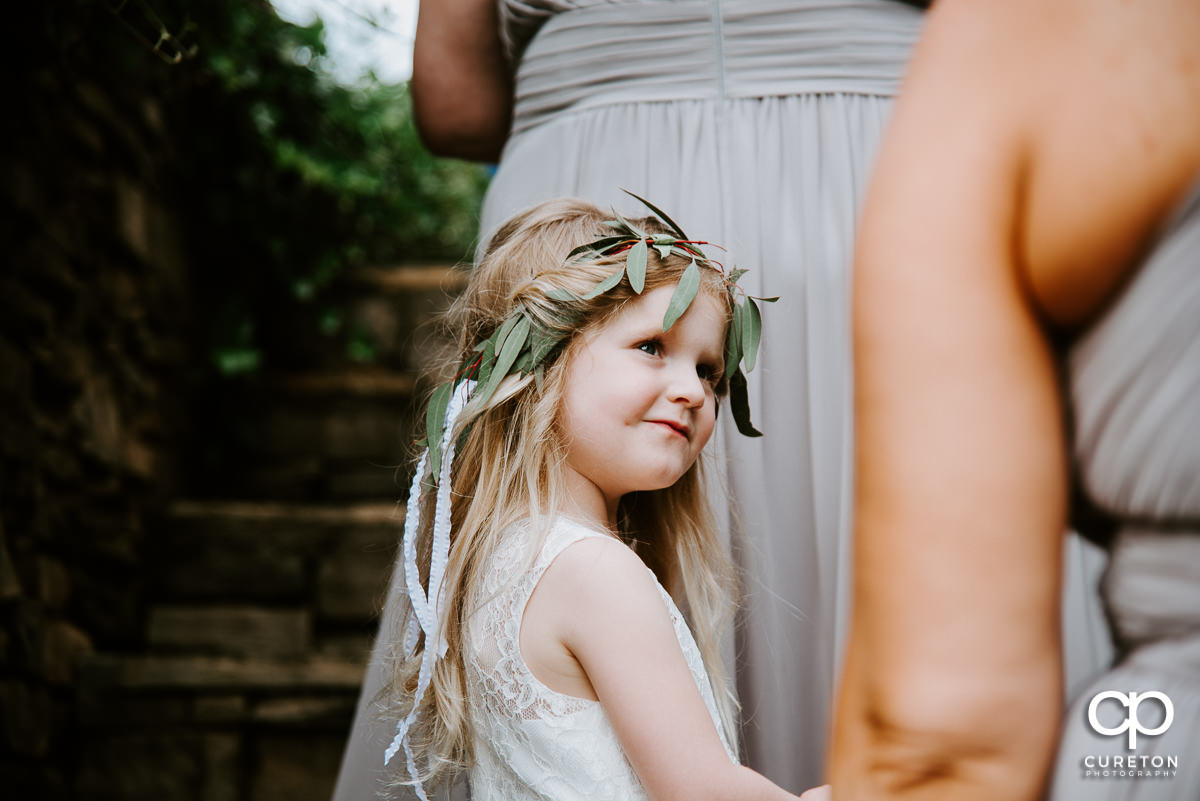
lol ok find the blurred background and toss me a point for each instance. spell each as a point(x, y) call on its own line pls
point(224, 244)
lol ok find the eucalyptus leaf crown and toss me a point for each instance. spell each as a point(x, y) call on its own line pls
point(521, 346)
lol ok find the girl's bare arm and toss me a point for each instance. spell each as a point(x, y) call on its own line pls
point(601, 601)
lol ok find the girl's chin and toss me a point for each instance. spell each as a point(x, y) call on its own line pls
point(658, 482)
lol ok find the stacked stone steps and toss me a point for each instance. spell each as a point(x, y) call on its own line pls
point(337, 430)
point(260, 611)
point(259, 621)
point(332, 436)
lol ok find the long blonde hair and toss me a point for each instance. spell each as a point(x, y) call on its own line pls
point(508, 466)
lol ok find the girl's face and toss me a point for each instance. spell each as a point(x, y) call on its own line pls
point(639, 403)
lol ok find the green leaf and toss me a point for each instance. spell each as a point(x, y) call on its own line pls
point(514, 343)
point(361, 351)
point(435, 424)
point(596, 249)
point(768, 300)
point(682, 297)
point(501, 335)
point(733, 342)
point(487, 361)
point(235, 361)
point(606, 284)
point(663, 239)
point(562, 294)
point(739, 405)
point(751, 333)
point(539, 375)
point(635, 266)
point(659, 213)
point(663, 251)
point(638, 231)
point(543, 342)
point(736, 273)
point(524, 362)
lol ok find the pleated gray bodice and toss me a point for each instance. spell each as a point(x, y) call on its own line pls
point(577, 54)
point(1135, 395)
point(1135, 398)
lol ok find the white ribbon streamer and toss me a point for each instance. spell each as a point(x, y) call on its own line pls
point(427, 606)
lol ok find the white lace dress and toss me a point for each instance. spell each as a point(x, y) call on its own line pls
point(530, 741)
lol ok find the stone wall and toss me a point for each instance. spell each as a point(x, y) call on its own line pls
point(91, 339)
point(159, 640)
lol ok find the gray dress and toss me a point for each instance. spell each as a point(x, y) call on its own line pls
point(754, 123)
point(1135, 396)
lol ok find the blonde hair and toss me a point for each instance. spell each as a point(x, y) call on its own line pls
point(507, 465)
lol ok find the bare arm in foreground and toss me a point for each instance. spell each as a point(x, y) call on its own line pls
point(1066, 130)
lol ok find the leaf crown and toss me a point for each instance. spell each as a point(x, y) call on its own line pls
point(521, 346)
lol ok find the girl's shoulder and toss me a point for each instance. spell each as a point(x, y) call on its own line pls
point(541, 541)
point(565, 532)
point(571, 555)
point(587, 556)
point(581, 567)
point(529, 547)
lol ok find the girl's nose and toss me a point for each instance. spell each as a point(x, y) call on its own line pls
point(686, 385)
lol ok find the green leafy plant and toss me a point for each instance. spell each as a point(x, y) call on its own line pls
point(290, 179)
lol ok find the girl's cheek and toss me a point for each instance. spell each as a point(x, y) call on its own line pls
point(710, 419)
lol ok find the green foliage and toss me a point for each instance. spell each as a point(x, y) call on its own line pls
point(289, 179)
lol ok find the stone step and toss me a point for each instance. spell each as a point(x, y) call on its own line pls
point(192, 760)
point(332, 427)
point(101, 673)
point(230, 630)
point(248, 631)
point(327, 436)
point(334, 560)
point(301, 479)
point(350, 382)
point(384, 316)
point(410, 278)
point(179, 724)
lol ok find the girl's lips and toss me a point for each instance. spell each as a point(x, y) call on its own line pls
point(678, 428)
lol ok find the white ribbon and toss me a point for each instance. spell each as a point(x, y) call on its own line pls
point(427, 606)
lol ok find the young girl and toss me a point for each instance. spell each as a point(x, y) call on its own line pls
point(539, 652)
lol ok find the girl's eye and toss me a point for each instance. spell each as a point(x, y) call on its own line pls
point(650, 347)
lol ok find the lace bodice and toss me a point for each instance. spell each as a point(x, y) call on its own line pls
point(531, 742)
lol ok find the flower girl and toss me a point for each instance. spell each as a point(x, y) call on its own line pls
point(558, 513)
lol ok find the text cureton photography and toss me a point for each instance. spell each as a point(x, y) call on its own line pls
point(1112, 713)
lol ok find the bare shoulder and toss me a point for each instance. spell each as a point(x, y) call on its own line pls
point(1072, 125)
point(589, 593)
point(1115, 144)
point(598, 571)
point(596, 593)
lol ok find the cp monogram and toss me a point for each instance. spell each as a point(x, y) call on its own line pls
point(1131, 722)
